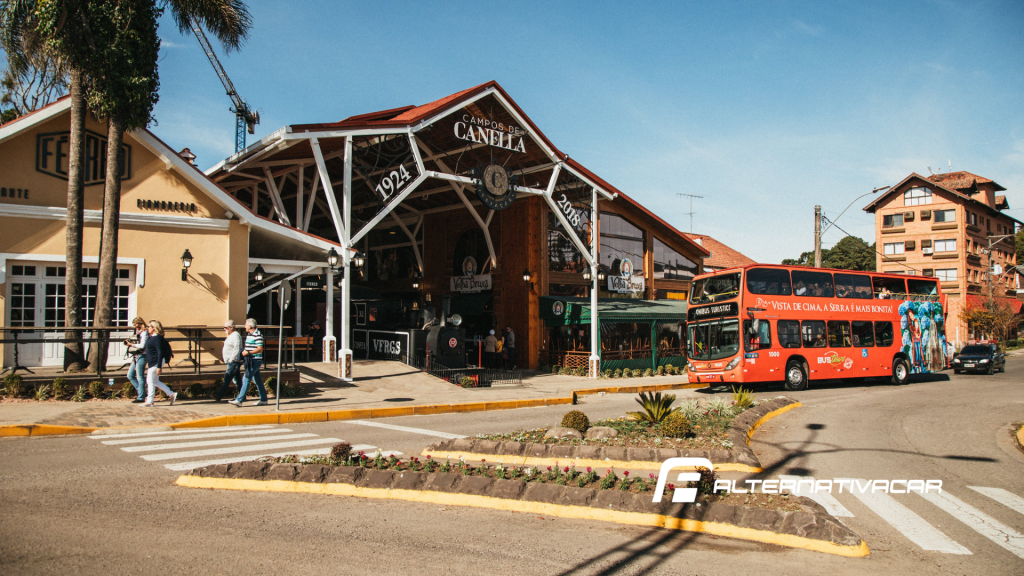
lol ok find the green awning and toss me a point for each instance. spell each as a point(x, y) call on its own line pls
point(555, 311)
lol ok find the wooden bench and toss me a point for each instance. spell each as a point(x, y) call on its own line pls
point(292, 345)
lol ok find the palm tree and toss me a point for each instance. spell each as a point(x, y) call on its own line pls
point(59, 30)
point(125, 91)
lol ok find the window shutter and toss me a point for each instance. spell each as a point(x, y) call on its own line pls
point(909, 245)
point(926, 214)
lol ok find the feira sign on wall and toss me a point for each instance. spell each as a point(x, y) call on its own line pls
point(52, 158)
point(625, 282)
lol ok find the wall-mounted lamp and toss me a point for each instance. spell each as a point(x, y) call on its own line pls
point(600, 275)
point(332, 259)
point(528, 277)
point(416, 279)
point(586, 274)
point(359, 259)
point(258, 273)
point(186, 263)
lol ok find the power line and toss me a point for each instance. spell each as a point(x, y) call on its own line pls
point(884, 257)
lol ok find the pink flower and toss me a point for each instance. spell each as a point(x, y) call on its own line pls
point(626, 473)
point(566, 469)
point(428, 456)
point(651, 476)
point(588, 469)
point(549, 468)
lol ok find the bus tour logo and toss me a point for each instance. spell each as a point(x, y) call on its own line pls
point(834, 360)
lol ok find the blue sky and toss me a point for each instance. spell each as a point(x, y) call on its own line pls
point(764, 109)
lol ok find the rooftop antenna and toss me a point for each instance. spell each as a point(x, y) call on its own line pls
point(950, 165)
point(691, 212)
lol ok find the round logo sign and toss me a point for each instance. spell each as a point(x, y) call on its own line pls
point(469, 266)
point(626, 267)
point(495, 188)
point(557, 308)
point(452, 342)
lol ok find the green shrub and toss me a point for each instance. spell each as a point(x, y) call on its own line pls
point(719, 407)
point(648, 373)
point(12, 385)
point(668, 368)
point(271, 384)
point(608, 373)
point(661, 370)
point(60, 387)
point(675, 426)
point(79, 395)
point(556, 369)
point(96, 389)
point(627, 373)
point(561, 371)
point(742, 399)
point(689, 409)
point(577, 421)
point(467, 382)
point(617, 373)
point(706, 484)
point(656, 407)
point(43, 392)
point(128, 391)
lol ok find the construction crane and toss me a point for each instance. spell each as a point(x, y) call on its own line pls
point(246, 118)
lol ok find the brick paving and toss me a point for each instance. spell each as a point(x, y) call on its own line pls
point(116, 414)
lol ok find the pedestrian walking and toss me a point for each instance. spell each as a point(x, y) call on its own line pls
point(158, 351)
point(232, 355)
point(510, 346)
point(252, 357)
point(490, 348)
point(137, 353)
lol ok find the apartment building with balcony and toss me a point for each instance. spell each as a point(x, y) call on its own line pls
point(942, 226)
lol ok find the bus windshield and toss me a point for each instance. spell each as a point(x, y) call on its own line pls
point(714, 340)
point(715, 289)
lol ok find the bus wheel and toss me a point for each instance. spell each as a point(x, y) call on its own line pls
point(796, 378)
point(900, 372)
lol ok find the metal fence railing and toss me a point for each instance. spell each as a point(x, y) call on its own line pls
point(482, 377)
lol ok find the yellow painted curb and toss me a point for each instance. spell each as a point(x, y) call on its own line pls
point(769, 416)
point(578, 462)
point(562, 511)
point(42, 430)
point(638, 388)
point(1020, 436)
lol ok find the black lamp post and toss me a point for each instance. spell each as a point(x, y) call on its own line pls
point(186, 263)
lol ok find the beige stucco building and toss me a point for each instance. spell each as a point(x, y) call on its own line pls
point(167, 206)
point(942, 226)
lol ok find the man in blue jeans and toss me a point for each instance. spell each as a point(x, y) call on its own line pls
point(252, 356)
point(232, 355)
point(137, 367)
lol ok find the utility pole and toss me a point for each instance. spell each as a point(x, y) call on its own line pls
point(691, 212)
point(992, 240)
point(817, 236)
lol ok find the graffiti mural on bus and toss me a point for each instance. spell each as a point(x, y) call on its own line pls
point(924, 336)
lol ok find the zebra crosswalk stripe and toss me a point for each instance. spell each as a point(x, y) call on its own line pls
point(905, 521)
point(1008, 499)
point(188, 431)
point(200, 443)
point(200, 463)
point(825, 499)
point(247, 433)
point(982, 523)
point(236, 449)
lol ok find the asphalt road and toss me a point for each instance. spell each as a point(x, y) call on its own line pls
point(75, 505)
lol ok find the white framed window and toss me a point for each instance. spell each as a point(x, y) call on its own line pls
point(945, 245)
point(946, 274)
point(945, 216)
point(894, 248)
point(917, 196)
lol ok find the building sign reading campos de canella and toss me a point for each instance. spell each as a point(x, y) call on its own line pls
point(52, 157)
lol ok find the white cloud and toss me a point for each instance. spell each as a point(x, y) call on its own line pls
point(805, 28)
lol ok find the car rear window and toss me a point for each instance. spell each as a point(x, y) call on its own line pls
point(976, 350)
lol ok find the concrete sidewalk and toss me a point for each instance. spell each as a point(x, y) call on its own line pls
point(378, 384)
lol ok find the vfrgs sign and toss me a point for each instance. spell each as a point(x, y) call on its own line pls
point(52, 157)
point(387, 345)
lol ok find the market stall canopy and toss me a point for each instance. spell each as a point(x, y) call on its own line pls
point(556, 311)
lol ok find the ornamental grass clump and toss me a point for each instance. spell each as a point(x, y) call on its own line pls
point(617, 373)
point(675, 426)
point(689, 409)
point(12, 385)
point(576, 420)
point(648, 373)
point(661, 370)
point(196, 390)
point(656, 407)
point(466, 382)
point(43, 392)
point(742, 399)
point(719, 407)
point(127, 391)
point(79, 395)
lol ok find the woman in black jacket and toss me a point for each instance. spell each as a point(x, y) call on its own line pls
point(156, 355)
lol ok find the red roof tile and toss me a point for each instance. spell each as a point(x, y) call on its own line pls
point(979, 301)
point(961, 180)
point(721, 255)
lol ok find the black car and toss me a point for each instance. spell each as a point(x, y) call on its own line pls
point(980, 358)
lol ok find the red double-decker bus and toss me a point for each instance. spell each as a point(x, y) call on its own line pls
point(765, 323)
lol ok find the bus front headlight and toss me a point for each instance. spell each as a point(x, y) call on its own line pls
point(735, 362)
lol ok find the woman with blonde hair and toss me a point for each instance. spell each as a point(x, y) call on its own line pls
point(137, 367)
point(157, 353)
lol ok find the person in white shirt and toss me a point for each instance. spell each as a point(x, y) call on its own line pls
point(137, 368)
point(232, 355)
